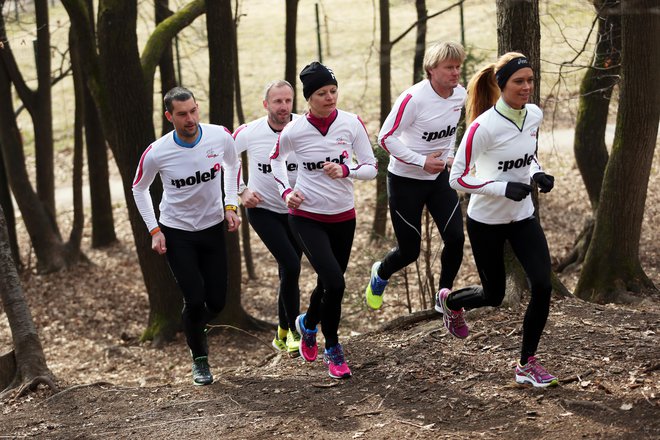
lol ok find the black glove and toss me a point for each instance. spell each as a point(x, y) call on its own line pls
point(517, 191)
point(545, 182)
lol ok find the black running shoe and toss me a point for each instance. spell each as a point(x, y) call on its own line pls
point(201, 372)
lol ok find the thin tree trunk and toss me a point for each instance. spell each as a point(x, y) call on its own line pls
point(166, 64)
point(245, 226)
point(380, 212)
point(75, 237)
point(609, 271)
point(595, 93)
point(43, 117)
point(290, 67)
point(420, 41)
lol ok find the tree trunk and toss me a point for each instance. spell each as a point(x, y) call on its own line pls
point(380, 212)
point(47, 245)
point(290, 68)
point(43, 116)
point(221, 36)
point(103, 225)
point(166, 65)
point(130, 131)
point(610, 271)
point(29, 366)
point(420, 41)
point(245, 225)
point(75, 236)
point(596, 89)
point(595, 94)
point(8, 207)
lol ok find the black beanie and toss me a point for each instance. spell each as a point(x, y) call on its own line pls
point(314, 76)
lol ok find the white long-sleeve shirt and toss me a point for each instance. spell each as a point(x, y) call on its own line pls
point(258, 139)
point(421, 122)
point(192, 191)
point(346, 137)
point(501, 153)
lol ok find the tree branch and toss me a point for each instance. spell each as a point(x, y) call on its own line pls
point(412, 26)
point(163, 34)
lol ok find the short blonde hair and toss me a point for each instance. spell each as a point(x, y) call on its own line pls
point(440, 51)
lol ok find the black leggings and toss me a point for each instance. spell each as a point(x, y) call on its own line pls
point(407, 198)
point(198, 261)
point(328, 248)
point(531, 248)
point(274, 231)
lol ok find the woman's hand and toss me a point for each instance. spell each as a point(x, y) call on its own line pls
point(294, 199)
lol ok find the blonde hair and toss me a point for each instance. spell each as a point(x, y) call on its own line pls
point(482, 89)
point(440, 51)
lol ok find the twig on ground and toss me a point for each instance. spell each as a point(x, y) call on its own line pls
point(576, 377)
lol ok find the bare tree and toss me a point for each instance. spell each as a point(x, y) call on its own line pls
point(596, 91)
point(612, 266)
point(37, 207)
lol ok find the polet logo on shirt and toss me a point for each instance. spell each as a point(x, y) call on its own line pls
point(429, 136)
point(532, 132)
point(211, 154)
point(198, 177)
point(266, 168)
point(506, 165)
point(311, 166)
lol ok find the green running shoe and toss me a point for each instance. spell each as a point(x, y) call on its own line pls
point(375, 288)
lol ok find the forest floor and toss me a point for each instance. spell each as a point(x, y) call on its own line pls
point(409, 381)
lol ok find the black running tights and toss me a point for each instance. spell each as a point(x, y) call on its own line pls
point(531, 249)
point(407, 198)
point(198, 261)
point(328, 248)
point(274, 231)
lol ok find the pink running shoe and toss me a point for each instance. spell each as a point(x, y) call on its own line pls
point(534, 373)
point(309, 349)
point(334, 359)
point(454, 321)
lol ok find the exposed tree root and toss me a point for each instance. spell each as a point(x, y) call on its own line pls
point(580, 247)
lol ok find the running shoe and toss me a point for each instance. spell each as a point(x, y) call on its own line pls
point(454, 321)
point(534, 373)
point(293, 342)
point(334, 359)
point(308, 348)
point(375, 288)
point(201, 372)
point(279, 344)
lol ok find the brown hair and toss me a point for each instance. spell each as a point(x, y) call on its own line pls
point(482, 89)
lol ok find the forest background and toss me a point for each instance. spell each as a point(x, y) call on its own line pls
point(91, 317)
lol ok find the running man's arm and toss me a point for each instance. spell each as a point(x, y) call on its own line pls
point(401, 117)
